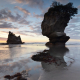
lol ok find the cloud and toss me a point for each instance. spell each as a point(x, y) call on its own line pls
point(73, 30)
point(77, 15)
point(32, 3)
point(31, 27)
point(26, 12)
point(1, 38)
point(38, 16)
point(6, 14)
point(78, 7)
point(6, 25)
point(62, 1)
point(41, 15)
point(75, 20)
point(45, 10)
point(35, 30)
point(24, 33)
point(23, 21)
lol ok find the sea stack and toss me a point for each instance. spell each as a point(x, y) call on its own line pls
point(13, 39)
point(55, 22)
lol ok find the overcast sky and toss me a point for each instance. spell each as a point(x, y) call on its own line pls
point(24, 17)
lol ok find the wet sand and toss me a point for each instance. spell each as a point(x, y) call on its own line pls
point(17, 58)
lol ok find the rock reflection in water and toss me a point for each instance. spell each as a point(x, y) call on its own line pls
point(57, 54)
point(53, 62)
point(53, 55)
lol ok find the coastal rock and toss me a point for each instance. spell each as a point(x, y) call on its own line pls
point(53, 27)
point(12, 39)
point(58, 38)
point(55, 22)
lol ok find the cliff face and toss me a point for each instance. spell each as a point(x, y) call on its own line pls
point(53, 26)
point(12, 39)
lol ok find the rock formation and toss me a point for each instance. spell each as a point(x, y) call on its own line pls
point(55, 22)
point(12, 39)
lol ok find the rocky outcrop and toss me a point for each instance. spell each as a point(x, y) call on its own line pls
point(53, 27)
point(58, 38)
point(12, 39)
point(55, 22)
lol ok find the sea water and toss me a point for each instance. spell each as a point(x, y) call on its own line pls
point(15, 58)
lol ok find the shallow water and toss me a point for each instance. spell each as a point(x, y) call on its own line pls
point(16, 58)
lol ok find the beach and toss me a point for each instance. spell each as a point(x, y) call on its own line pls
point(17, 58)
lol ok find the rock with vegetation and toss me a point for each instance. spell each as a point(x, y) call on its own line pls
point(56, 20)
point(12, 39)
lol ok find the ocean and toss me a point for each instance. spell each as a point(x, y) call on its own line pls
point(58, 63)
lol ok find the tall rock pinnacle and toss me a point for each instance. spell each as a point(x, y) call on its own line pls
point(55, 22)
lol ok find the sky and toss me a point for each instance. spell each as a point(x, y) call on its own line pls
point(24, 17)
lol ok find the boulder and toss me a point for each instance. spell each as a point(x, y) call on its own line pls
point(13, 39)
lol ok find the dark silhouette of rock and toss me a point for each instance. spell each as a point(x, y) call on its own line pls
point(18, 76)
point(7, 77)
point(12, 39)
point(55, 22)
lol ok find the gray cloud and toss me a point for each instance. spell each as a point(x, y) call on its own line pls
point(41, 15)
point(62, 1)
point(32, 3)
point(78, 7)
point(73, 31)
point(1, 38)
point(6, 14)
point(6, 25)
point(75, 20)
point(23, 21)
point(73, 28)
point(31, 27)
point(24, 33)
point(26, 12)
point(36, 30)
point(38, 16)
point(78, 15)
point(45, 10)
